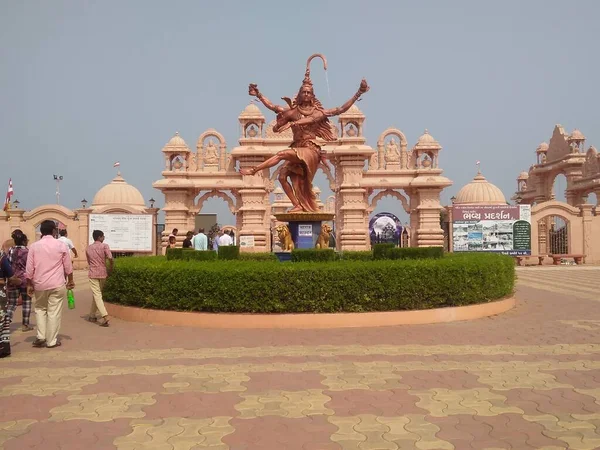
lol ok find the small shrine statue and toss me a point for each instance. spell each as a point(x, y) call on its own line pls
point(212, 154)
point(392, 154)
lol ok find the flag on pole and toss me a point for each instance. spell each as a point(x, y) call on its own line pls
point(9, 194)
point(117, 164)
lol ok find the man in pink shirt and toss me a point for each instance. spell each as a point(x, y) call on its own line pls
point(48, 263)
point(97, 255)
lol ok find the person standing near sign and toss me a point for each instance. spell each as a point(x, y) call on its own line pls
point(97, 254)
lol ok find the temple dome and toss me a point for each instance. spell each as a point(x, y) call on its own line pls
point(118, 193)
point(426, 138)
point(543, 147)
point(251, 111)
point(480, 192)
point(177, 141)
point(577, 135)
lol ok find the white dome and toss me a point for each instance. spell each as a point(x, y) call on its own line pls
point(118, 193)
point(480, 192)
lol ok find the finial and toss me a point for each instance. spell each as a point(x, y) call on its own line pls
point(478, 164)
point(426, 131)
point(177, 133)
point(118, 173)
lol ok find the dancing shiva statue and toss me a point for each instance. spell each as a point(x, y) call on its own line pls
point(308, 120)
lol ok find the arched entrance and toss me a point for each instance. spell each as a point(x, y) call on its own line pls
point(386, 228)
point(553, 235)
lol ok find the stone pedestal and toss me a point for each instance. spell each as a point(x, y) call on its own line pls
point(304, 227)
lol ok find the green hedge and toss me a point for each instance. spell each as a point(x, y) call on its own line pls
point(262, 256)
point(353, 255)
point(272, 287)
point(313, 255)
point(229, 252)
point(380, 250)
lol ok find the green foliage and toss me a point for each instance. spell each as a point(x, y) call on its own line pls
point(380, 250)
point(263, 256)
point(313, 254)
point(414, 253)
point(315, 287)
point(189, 254)
point(229, 252)
point(350, 255)
point(174, 253)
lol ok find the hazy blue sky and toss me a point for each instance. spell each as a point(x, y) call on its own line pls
point(86, 83)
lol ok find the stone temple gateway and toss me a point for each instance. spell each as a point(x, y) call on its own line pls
point(359, 176)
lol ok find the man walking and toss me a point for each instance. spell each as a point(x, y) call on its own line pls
point(97, 255)
point(48, 264)
point(200, 241)
point(68, 242)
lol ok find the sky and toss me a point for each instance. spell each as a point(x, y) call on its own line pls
point(87, 83)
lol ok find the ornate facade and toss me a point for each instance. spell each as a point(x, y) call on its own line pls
point(557, 227)
point(358, 175)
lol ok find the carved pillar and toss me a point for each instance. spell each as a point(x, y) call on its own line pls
point(430, 234)
point(573, 197)
point(403, 155)
point(352, 214)
point(177, 213)
point(84, 236)
point(414, 217)
point(223, 157)
point(381, 155)
point(254, 214)
point(586, 215)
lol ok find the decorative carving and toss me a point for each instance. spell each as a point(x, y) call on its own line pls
point(211, 155)
point(591, 167)
point(252, 132)
point(285, 238)
point(392, 153)
point(215, 193)
point(323, 240)
point(392, 193)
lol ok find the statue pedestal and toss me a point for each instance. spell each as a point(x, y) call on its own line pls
point(305, 227)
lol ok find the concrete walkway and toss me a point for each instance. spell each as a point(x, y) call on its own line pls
point(529, 378)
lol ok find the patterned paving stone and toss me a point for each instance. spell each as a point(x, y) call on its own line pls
point(270, 432)
point(193, 405)
point(527, 379)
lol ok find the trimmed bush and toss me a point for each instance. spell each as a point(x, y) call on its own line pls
point(350, 255)
point(414, 253)
point(174, 253)
point(380, 250)
point(229, 252)
point(198, 255)
point(263, 256)
point(316, 287)
point(313, 254)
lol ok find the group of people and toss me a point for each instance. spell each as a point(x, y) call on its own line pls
point(199, 241)
point(41, 274)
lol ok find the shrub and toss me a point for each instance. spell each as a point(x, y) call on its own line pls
point(198, 255)
point(174, 253)
point(380, 250)
point(316, 287)
point(414, 253)
point(355, 255)
point(229, 252)
point(263, 256)
point(313, 254)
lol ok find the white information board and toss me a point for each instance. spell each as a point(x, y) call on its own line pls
point(124, 232)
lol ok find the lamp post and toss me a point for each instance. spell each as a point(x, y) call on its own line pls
point(151, 202)
point(453, 199)
point(16, 204)
point(83, 203)
point(58, 179)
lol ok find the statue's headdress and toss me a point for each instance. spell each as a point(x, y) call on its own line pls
point(307, 81)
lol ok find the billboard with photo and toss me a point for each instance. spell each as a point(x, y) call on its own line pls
point(492, 228)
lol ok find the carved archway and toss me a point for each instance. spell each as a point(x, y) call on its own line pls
point(49, 212)
point(392, 132)
point(391, 193)
point(211, 133)
point(214, 193)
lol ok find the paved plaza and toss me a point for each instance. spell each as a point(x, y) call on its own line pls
point(529, 378)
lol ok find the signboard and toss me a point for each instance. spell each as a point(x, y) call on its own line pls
point(305, 230)
point(246, 241)
point(124, 232)
point(492, 228)
point(385, 228)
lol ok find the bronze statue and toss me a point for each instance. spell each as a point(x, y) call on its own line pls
point(308, 119)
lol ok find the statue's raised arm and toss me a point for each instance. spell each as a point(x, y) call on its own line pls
point(364, 87)
point(253, 90)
